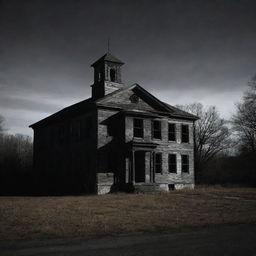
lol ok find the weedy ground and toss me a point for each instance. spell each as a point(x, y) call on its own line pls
point(65, 216)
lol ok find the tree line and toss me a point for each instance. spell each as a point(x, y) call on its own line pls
point(16, 162)
point(225, 150)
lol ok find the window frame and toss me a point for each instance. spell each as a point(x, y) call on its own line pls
point(140, 129)
point(186, 133)
point(154, 131)
point(185, 164)
point(158, 166)
point(172, 132)
point(112, 75)
point(173, 163)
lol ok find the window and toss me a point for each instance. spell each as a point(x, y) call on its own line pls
point(171, 132)
point(185, 163)
point(184, 133)
point(112, 75)
point(138, 128)
point(172, 163)
point(158, 163)
point(156, 129)
point(99, 77)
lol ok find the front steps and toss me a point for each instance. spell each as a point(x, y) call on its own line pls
point(150, 187)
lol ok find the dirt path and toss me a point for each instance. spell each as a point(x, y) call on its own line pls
point(220, 240)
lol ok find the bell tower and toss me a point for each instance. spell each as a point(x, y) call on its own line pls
point(107, 76)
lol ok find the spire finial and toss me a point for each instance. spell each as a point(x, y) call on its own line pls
point(108, 44)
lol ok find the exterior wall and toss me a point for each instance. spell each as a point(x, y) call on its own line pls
point(98, 159)
point(110, 158)
point(63, 154)
point(105, 183)
point(167, 147)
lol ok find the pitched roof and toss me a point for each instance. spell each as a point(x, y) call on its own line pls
point(181, 113)
point(108, 57)
point(66, 112)
point(164, 108)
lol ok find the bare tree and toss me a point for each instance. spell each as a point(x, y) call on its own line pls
point(2, 129)
point(244, 121)
point(212, 136)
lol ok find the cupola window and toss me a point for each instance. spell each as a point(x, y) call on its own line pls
point(112, 75)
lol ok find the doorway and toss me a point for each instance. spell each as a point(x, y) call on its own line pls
point(139, 166)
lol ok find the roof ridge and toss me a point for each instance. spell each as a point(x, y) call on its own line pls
point(115, 92)
point(108, 57)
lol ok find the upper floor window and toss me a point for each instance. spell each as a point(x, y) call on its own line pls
point(138, 128)
point(172, 163)
point(156, 129)
point(112, 75)
point(158, 163)
point(171, 132)
point(184, 133)
point(185, 163)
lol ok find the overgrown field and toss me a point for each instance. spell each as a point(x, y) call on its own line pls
point(41, 217)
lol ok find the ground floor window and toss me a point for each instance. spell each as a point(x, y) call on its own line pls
point(185, 163)
point(172, 163)
point(158, 163)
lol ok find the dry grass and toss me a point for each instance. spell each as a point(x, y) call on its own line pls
point(40, 217)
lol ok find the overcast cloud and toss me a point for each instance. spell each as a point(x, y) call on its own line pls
point(181, 51)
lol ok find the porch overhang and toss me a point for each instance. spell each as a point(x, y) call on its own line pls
point(141, 145)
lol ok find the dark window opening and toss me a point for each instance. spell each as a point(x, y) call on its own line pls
point(112, 75)
point(99, 76)
point(158, 163)
point(171, 132)
point(184, 133)
point(172, 163)
point(138, 128)
point(171, 186)
point(185, 163)
point(156, 130)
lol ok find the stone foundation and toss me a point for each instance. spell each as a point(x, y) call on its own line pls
point(103, 189)
point(184, 186)
point(104, 183)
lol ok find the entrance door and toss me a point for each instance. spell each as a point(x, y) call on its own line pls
point(139, 166)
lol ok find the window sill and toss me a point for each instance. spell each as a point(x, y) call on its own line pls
point(138, 138)
point(156, 139)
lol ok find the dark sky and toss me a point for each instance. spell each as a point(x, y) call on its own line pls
point(181, 51)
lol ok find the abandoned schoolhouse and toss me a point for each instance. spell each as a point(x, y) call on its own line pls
point(121, 138)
